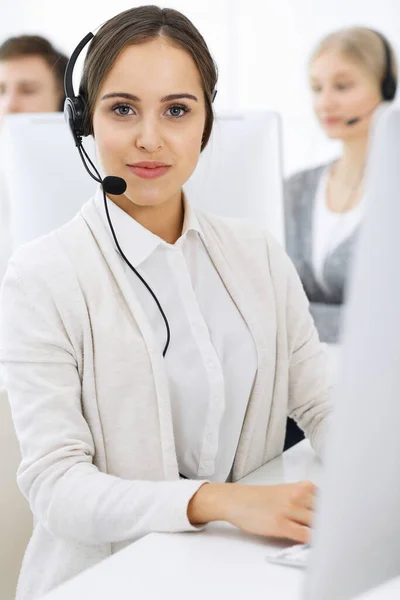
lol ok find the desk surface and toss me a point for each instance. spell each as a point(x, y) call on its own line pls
point(218, 562)
point(387, 591)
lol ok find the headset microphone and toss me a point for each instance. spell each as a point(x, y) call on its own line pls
point(355, 120)
point(114, 185)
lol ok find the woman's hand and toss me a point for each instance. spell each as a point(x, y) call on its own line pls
point(283, 511)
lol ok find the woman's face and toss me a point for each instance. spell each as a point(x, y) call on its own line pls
point(27, 85)
point(149, 119)
point(342, 90)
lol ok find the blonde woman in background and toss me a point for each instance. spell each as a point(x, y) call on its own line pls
point(352, 71)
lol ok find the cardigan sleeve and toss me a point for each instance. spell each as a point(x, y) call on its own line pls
point(67, 494)
point(310, 375)
point(309, 372)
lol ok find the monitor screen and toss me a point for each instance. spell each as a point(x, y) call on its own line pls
point(357, 533)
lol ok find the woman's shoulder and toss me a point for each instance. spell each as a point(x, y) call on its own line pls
point(47, 257)
point(243, 236)
point(230, 229)
point(306, 178)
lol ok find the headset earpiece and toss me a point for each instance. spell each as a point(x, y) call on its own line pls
point(389, 83)
point(74, 112)
point(74, 106)
point(389, 86)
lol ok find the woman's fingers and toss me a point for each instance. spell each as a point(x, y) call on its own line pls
point(300, 515)
point(296, 532)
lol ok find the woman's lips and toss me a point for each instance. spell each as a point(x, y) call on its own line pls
point(149, 170)
point(333, 121)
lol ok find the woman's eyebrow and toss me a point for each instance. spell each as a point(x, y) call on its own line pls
point(134, 98)
point(179, 97)
point(121, 95)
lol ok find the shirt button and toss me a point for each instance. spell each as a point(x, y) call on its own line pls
point(207, 465)
point(209, 437)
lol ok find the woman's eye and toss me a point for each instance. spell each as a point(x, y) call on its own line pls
point(343, 86)
point(28, 92)
point(177, 111)
point(122, 110)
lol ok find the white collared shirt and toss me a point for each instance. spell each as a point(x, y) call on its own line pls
point(330, 228)
point(211, 362)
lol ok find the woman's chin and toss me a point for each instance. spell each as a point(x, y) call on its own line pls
point(147, 197)
point(335, 134)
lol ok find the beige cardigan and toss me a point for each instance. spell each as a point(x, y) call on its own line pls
point(89, 394)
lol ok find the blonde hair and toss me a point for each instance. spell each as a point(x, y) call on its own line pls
point(361, 45)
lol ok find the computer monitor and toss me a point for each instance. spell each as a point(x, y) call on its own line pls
point(239, 174)
point(46, 183)
point(357, 529)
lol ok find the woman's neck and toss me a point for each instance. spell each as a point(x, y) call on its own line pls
point(352, 161)
point(164, 220)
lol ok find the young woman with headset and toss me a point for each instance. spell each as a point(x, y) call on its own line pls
point(152, 352)
point(351, 72)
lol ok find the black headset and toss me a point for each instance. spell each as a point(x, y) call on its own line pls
point(389, 83)
point(75, 116)
point(75, 106)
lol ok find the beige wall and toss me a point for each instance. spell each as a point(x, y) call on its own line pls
point(15, 516)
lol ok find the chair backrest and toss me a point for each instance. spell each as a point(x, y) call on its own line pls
point(46, 183)
point(15, 515)
point(239, 174)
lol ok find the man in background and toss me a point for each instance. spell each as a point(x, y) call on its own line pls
point(31, 76)
point(31, 81)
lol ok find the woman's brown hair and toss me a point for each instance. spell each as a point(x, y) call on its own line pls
point(137, 26)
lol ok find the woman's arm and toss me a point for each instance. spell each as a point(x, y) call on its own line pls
point(309, 372)
point(67, 493)
point(283, 511)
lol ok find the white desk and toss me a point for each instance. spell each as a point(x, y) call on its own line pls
point(387, 591)
point(219, 562)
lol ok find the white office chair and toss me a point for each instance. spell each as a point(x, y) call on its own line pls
point(15, 515)
point(239, 174)
point(45, 180)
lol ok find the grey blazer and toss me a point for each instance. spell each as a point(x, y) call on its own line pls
point(325, 304)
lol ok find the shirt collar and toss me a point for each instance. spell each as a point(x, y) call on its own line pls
point(137, 242)
point(191, 222)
